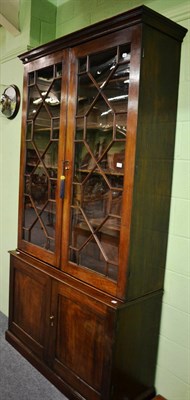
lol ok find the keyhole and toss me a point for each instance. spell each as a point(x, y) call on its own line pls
point(51, 320)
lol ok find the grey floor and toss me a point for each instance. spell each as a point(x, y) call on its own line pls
point(18, 379)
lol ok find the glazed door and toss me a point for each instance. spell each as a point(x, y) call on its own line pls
point(105, 86)
point(42, 158)
point(82, 341)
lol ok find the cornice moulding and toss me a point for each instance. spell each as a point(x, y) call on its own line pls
point(177, 14)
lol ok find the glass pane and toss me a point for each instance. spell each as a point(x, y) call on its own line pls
point(124, 53)
point(39, 186)
point(29, 130)
point(52, 188)
point(42, 135)
point(44, 78)
point(112, 271)
point(32, 158)
point(102, 64)
point(99, 161)
point(116, 90)
point(115, 206)
point(83, 160)
point(50, 156)
point(48, 218)
point(115, 181)
point(31, 78)
point(116, 157)
point(55, 128)
point(39, 226)
point(121, 126)
point(58, 70)
point(38, 236)
point(82, 64)
point(100, 116)
point(41, 138)
point(87, 92)
point(53, 97)
point(34, 101)
point(79, 128)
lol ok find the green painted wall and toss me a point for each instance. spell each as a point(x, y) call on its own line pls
point(41, 21)
point(11, 72)
point(11, 46)
point(76, 14)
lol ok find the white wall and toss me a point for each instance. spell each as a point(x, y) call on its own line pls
point(173, 370)
point(11, 72)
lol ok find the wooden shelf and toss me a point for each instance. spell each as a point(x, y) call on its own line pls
point(96, 171)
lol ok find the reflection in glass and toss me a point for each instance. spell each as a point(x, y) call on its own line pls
point(29, 130)
point(102, 65)
point(58, 70)
point(121, 125)
point(82, 64)
point(85, 86)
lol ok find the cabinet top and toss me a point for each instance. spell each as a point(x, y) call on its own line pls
point(132, 17)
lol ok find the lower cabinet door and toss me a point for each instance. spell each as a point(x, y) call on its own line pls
point(83, 330)
point(29, 306)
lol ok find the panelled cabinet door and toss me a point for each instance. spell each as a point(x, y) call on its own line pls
point(43, 143)
point(104, 82)
point(82, 341)
point(29, 306)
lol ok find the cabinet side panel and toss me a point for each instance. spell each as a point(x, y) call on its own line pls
point(136, 348)
point(154, 162)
